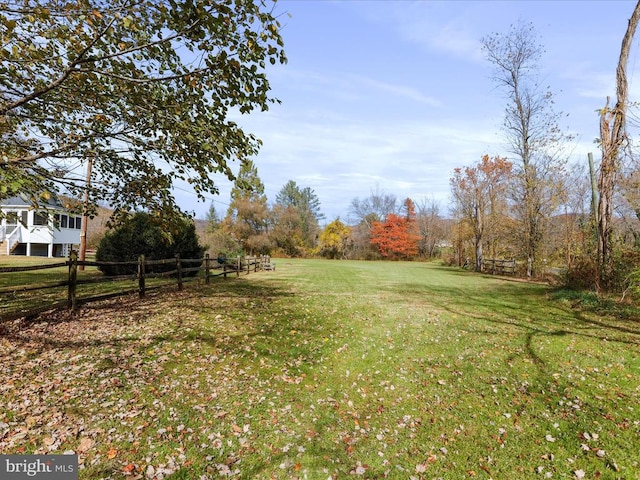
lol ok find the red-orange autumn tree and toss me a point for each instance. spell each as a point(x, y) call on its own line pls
point(397, 237)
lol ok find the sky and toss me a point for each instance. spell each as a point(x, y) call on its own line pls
point(392, 95)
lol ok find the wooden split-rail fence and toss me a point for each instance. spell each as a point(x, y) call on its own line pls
point(29, 290)
point(498, 266)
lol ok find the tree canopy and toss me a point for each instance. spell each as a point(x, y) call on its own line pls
point(373, 208)
point(397, 237)
point(298, 211)
point(479, 193)
point(333, 240)
point(142, 89)
point(304, 199)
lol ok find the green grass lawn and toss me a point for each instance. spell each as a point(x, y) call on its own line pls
point(331, 369)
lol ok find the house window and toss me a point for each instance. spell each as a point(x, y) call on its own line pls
point(78, 223)
point(40, 218)
point(64, 221)
point(12, 219)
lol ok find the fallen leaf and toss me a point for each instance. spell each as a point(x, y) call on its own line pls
point(85, 444)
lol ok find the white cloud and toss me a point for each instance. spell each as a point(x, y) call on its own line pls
point(394, 90)
point(457, 40)
point(454, 30)
point(346, 159)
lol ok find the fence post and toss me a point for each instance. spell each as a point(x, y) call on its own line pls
point(224, 270)
point(179, 270)
point(206, 269)
point(73, 279)
point(141, 279)
point(238, 266)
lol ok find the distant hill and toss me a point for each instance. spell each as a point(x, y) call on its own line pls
point(97, 226)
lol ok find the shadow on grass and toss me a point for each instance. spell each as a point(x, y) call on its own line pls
point(526, 307)
point(251, 314)
point(513, 301)
point(527, 321)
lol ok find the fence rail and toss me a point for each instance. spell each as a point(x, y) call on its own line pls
point(30, 298)
point(499, 266)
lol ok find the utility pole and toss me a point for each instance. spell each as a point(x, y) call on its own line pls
point(85, 217)
point(594, 189)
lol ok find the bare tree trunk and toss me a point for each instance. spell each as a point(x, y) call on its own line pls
point(612, 138)
point(478, 238)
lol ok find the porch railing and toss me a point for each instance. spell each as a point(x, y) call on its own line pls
point(13, 238)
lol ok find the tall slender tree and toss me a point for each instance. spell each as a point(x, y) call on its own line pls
point(532, 131)
point(431, 226)
point(305, 204)
point(303, 199)
point(213, 220)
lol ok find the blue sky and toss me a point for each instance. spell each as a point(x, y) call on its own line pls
point(395, 94)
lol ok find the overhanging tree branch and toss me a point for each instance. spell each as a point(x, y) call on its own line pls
point(58, 81)
point(126, 82)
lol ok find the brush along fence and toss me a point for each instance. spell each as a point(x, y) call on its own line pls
point(26, 291)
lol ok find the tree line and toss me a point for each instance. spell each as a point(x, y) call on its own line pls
point(380, 226)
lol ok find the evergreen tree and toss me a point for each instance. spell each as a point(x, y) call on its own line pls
point(247, 218)
point(213, 221)
point(306, 205)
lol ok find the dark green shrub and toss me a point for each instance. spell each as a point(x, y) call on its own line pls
point(581, 275)
point(625, 263)
point(143, 234)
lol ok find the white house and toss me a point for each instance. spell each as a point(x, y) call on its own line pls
point(24, 231)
